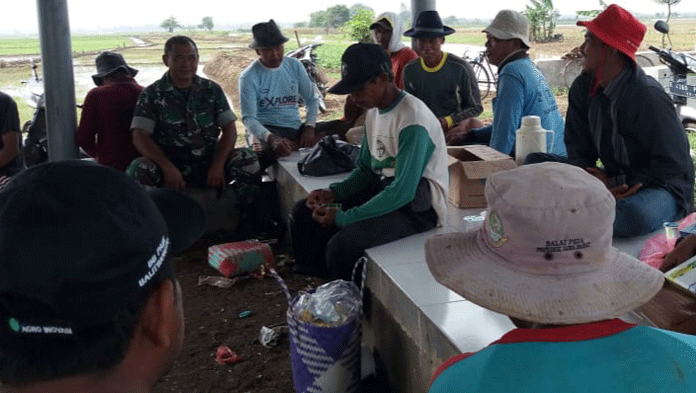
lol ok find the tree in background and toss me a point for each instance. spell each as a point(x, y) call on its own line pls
point(542, 20)
point(669, 4)
point(317, 19)
point(405, 15)
point(337, 16)
point(357, 7)
point(450, 20)
point(170, 24)
point(207, 23)
point(593, 13)
point(332, 17)
point(359, 25)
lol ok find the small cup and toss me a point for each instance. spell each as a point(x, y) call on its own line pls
point(671, 230)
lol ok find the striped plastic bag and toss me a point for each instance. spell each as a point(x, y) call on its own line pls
point(326, 358)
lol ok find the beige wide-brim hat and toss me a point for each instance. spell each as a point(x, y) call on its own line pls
point(509, 24)
point(544, 253)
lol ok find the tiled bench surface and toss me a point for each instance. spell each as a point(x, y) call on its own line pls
point(438, 322)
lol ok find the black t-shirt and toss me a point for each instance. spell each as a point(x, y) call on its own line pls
point(9, 122)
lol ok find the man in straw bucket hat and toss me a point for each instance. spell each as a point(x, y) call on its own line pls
point(623, 117)
point(270, 90)
point(522, 89)
point(544, 257)
point(443, 81)
point(104, 131)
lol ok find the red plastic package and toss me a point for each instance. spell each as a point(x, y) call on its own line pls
point(224, 355)
point(233, 259)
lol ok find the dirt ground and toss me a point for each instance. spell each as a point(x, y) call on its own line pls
point(212, 319)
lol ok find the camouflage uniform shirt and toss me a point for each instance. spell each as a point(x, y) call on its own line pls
point(185, 124)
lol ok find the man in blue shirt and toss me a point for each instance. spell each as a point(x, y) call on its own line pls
point(544, 257)
point(521, 90)
point(270, 89)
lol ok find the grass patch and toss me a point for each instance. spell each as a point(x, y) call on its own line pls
point(330, 55)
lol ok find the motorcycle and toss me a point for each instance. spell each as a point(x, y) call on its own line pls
point(680, 80)
point(307, 56)
point(34, 144)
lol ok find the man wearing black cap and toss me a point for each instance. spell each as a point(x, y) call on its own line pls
point(270, 89)
point(107, 112)
point(445, 82)
point(88, 299)
point(399, 186)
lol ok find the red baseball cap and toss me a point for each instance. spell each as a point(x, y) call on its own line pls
point(617, 28)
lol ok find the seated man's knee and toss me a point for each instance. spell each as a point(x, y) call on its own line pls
point(636, 216)
point(300, 211)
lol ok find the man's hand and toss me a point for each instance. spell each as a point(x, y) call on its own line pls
point(623, 191)
point(216, 174)
point(456, 138)
point(281, 146)
point(173, 178)
point(319, 197)
point(683, 251)
point(620, 191)
point(443, 124)
point(307, 137)
point(325, 216)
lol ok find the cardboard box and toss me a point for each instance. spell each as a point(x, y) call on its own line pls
point(469, 166)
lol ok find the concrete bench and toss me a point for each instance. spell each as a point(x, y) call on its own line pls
point(413, 323)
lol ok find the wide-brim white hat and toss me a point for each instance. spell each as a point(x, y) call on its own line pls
point(544, 253)
point(509, 24)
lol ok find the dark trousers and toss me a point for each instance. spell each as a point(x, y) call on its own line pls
point(332, 252)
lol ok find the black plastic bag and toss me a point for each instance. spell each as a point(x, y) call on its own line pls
point(329, 157)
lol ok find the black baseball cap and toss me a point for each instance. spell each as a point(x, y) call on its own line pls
point(79, 242)
point(361, 63)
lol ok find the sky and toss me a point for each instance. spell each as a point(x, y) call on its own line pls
point(93, 15)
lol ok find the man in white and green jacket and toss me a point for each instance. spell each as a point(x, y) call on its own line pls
point(399, 186)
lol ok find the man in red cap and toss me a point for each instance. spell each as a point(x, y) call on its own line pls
point(624, 118)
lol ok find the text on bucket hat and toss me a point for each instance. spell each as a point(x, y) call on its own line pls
point(428, 25)
point(266, 35)
point(361, 63)
point(617, 28)
point(544, 253)
point(108, 62)
point(80, 242)
point(509, 24)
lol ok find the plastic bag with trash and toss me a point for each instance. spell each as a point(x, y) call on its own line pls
point(330, 304)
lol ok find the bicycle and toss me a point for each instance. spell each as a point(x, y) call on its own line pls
point(574, 60)
point(483, 72)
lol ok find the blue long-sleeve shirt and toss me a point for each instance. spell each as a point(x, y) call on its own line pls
point(522, 91)
point(271, 96)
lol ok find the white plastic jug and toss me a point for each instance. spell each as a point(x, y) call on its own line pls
point(530, 138)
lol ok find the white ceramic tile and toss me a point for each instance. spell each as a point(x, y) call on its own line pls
point(406, 250)
point(419, 285)
point(468, 326)
point(309, 183)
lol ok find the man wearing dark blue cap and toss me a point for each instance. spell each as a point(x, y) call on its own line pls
point(88, 299)
point(399, 186)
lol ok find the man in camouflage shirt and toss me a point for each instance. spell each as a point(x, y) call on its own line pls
point(177, 126)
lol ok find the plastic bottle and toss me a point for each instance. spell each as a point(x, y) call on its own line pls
point(530, 138)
